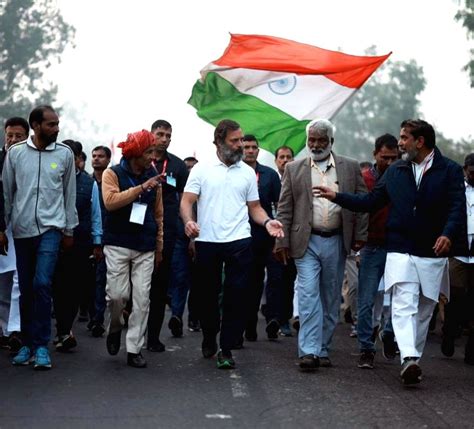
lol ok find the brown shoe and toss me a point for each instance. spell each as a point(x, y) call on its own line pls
point(309, 363)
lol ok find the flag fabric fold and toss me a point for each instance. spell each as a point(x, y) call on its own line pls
point(273, 87)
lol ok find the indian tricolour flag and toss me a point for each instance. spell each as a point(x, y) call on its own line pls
point(273, 87)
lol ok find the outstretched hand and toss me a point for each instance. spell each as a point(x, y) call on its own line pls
point(324, 192)
point(275, 228)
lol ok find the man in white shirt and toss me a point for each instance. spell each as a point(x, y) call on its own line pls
point(425, 224)
point(460, 309)
point(226, 193)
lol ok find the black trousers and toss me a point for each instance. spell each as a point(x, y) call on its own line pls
point(280, 290)
point(235, 258)
point(459, 312)
point(262, 248)
point(159, 292)
point(74, 278)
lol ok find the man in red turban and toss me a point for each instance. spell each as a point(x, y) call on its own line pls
point(133, 239)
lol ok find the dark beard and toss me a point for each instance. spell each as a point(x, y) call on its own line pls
point(229, 156)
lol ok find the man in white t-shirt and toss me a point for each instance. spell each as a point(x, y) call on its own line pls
point(226, 193)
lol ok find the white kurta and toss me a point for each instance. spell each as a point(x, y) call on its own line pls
point(430, 273)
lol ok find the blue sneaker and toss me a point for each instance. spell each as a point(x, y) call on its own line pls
point(23, 357)
point(42, 359)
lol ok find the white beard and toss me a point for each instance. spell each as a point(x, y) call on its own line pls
point(320, 155)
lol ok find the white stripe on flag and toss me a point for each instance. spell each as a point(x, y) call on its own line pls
point(300, 96)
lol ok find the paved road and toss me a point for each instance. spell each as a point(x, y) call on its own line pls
point(88, 388)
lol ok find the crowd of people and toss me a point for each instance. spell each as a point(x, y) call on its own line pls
point(117, 246)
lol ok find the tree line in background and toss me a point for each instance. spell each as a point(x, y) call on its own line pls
point(33, 35)
point(390, 96)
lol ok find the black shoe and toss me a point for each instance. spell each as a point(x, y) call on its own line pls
point(225, 360)
point(251, 334)
point(309, 363)
point(97, 330)
point(447, 345)
point(469, 350)
point(325, 362)
point(14, 342)
point(209, 347)
point(66, 342)
point(136, 360)
point(194, 326)
point(366, 360)
point(411, 371)
point(272, 329)
point(113, 342)
point(155, 346)
point(389, 346)
point(90, 325)
point(176, 326)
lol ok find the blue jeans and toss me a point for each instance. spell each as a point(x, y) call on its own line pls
point(180, 276)
point(36, 261)
point(372, 266)
point(320, 275)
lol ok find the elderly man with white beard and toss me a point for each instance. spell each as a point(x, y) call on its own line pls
point(318, 235)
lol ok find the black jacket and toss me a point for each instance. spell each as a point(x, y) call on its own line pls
point(417, 217)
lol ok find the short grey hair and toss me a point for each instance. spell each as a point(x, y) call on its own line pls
point(323, 126)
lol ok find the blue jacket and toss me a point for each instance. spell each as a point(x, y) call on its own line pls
point(417, 217)
point(118, 230)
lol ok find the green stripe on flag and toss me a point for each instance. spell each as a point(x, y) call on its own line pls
point(218, 99)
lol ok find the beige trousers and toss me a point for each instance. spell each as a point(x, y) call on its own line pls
point(124, 265)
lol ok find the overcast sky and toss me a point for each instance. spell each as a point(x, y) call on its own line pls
point(136, 61)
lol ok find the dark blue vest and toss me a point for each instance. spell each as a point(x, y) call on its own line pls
point(83, 231)
point(118, 230)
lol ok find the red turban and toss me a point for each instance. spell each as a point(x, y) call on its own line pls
point(136, 144)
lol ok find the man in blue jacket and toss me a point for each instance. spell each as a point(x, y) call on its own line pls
point(426, 222)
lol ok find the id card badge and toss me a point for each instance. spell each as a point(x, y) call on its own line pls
point(170, 180)
point(138, 213)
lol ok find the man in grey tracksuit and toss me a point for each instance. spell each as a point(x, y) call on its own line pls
point(40, 195)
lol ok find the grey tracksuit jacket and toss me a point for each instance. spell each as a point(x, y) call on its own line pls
point(39, 189)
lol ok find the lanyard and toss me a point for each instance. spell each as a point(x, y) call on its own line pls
point(425, 168)
point(165, 164)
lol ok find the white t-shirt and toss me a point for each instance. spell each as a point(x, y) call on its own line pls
point(223, 193)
